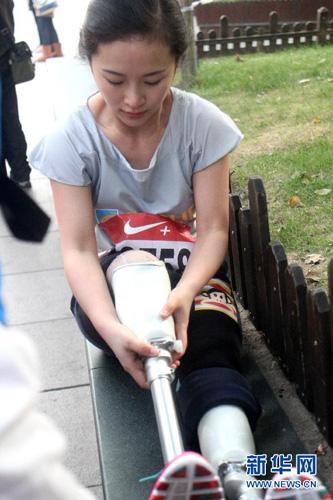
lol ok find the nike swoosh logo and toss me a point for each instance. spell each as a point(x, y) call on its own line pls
point(128, 229)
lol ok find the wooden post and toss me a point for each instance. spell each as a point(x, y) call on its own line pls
point(320, 348)
point(296, 321)
point(189, 64)
point(330, 293)
point(276, 322)
point(247, 255)
point(273, 22)
point(261, 238)
point(235, 206)
point(322, 20)
point(224, 26)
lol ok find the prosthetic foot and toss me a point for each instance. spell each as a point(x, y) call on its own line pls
point(235, 482)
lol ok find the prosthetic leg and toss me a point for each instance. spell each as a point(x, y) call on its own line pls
point(141, 290)
point(141, 286)
point(226, 440)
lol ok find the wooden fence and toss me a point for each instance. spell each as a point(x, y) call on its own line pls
point(297, 323)
point(257, 11)
point(253, 39)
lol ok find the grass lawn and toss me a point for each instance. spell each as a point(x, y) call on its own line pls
point(283, 103)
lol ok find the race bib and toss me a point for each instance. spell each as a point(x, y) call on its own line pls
point(169, 241)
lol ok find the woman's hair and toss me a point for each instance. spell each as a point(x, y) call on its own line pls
point(110, 20)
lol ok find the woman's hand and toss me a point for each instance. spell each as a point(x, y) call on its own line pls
point(131, 351)
point(179, 305)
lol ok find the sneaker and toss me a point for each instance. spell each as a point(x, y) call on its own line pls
point(188, 477)
point(303, 491)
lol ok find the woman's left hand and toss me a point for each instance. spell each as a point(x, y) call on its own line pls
point(179, 305)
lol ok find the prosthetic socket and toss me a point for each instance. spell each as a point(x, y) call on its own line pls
point(141, 290)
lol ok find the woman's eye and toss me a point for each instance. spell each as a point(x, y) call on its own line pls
point(153, 83)
point(114, 83)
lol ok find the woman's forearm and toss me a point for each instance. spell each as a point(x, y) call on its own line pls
point(89, 287)
point(207, 256)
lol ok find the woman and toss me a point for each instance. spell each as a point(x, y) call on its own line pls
point(148, 162)
point(48, 37)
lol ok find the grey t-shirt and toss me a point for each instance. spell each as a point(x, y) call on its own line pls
point(79, 153)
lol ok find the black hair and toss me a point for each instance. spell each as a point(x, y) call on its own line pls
point(110, 20)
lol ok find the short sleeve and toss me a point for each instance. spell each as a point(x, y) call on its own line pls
point(213, 134)
point(59, 158)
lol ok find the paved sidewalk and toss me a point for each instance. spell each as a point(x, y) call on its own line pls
point(35, 290)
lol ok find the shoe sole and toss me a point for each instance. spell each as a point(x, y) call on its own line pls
point(188, 477)
point(298, 494)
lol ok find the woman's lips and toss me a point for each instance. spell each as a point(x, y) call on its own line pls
point(134, 116)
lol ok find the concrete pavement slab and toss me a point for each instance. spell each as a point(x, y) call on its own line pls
point(38, 296)
point(61, 352)
point(21, 257)
point(36, 293)
point(97, 491)
point(71, 410)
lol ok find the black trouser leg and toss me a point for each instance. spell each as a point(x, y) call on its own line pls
point(14, 146)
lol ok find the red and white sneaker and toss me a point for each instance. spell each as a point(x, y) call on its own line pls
point(188, 477)
point(297, 487)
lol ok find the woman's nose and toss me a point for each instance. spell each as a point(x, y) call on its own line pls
point(134, 98)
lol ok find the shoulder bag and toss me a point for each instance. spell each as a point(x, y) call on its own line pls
point(22, 67)
point(44, 7)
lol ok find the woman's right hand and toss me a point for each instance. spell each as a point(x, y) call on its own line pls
point(130, 352)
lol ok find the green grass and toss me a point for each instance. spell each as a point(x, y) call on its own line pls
point(283, 103)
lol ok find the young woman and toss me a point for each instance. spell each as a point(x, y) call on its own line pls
point(150, 164)
point(48, 36)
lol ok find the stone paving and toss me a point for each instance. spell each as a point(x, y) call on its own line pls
point(35, 290)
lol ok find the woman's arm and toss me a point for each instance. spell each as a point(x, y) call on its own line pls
point(78, 244)
point(211, 188)
point(75, 216)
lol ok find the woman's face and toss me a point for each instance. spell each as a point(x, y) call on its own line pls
point(134, 77)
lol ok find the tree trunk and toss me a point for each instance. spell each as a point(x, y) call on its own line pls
point(189, 64)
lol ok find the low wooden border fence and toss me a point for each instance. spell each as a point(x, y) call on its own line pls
point(297, 323)
point(277, 37)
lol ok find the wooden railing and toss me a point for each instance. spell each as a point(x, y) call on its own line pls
point(278, 36)
point(297, 323)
